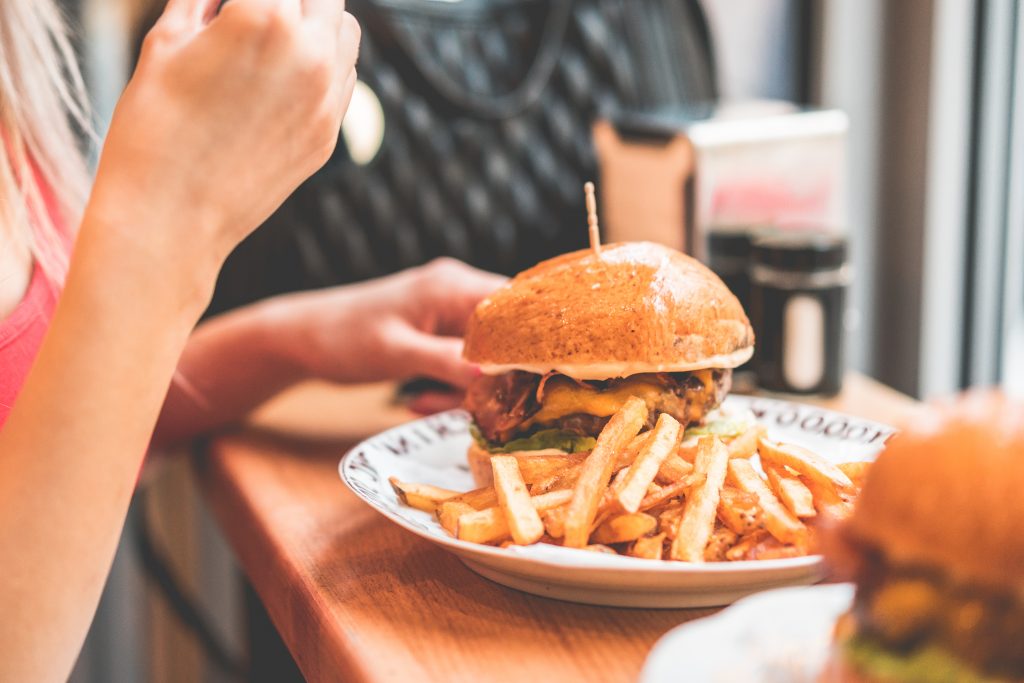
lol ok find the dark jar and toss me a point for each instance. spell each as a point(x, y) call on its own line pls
point(798, 284)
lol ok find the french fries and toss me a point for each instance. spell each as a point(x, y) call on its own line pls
point(698, 520)
point(673, 469)
point(826, 500)
point(856, 471)
point(646, 495)
point(514, 500)
point(420, 496)
point(624, 528)
point(487, 526)
point(739, 510)
point(807, 463)
point(537, 466)
point(597, 470)
point(793, 493)
point(648, 547)
point(643, 470)
point(721, 541)
point(448, 514)
point(745, 445)
point(780, 522)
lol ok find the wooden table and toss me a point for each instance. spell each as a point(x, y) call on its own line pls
point(357, 598)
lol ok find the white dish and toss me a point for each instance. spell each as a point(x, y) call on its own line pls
point(782, 636)
point(433, 450)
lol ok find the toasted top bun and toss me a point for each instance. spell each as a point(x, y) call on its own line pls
point(635, 307)
point(948, 493)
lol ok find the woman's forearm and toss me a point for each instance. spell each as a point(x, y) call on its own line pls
point(232, 363)
point(73, 443)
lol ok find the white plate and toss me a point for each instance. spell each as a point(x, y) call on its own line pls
point(433, 450)
point(782, 636)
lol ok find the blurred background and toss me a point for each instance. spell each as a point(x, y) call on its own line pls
point(892, 128)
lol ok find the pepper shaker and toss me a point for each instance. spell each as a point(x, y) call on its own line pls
point(798, 300)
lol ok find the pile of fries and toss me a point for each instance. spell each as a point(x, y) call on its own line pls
point(652, 495)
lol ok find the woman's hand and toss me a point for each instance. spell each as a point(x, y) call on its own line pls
point(406, 325)
point(226, 114)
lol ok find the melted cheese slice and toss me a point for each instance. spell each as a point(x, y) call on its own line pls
point(562, 396)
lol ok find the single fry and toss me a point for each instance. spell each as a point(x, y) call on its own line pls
point(514, 500)
point(856, 471)
point(420, 496)
point(745, 445)
point(597, 470)
point(673, 469)
point(805, 462)
point(778, 520)
point(698, 520)
point(739, 510)
point(564, 478)
point(554, 521)
point(448, 514)
point(790, 490)
point(537, 466)
point(478, 499)
point(648, 547)
point(643, 470)
point(624, 528)
point(826, 501)
point(490, 525)
point(629, 453)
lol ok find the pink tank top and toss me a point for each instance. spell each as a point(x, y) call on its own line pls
point(21, 335)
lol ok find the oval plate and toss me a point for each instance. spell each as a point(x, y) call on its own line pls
point(432, 450)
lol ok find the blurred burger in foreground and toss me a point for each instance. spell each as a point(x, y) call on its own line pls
point(564, 344)
point(936, 549)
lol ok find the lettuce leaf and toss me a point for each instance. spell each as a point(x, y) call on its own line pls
point(725, 428)
point(543, 439)
point(928, 664)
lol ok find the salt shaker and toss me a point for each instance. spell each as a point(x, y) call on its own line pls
point(797, 305)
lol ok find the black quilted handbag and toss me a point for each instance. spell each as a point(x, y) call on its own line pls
point(488, 106)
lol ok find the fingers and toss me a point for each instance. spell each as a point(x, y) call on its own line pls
point(454, 289)
point(430, 402)
point(324, 11)
point(428, 355)
point(190, 13)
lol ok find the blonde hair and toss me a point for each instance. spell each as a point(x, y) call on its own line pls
point(42, 101)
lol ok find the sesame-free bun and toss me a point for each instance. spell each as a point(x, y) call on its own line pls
point(948, 493)
point(479, 460)
point(635, 307)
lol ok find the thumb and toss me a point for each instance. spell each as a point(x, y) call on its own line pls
point(428, 355)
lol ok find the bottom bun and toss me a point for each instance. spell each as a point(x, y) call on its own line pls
point(479, 465)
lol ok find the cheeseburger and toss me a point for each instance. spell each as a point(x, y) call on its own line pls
point(936, 550)
point(563, 345)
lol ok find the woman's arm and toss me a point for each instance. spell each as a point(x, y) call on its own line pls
point(405, 325)
point(224, 117)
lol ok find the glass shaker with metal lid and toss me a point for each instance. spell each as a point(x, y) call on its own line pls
point(797, 306)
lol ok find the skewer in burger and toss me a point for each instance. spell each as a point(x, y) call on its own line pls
point(564, 344)
point(936, 549)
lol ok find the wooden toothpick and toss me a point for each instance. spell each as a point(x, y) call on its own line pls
point(595, 235)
